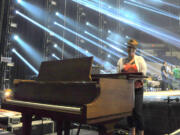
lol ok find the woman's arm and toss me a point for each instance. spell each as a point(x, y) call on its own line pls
point(143, 66)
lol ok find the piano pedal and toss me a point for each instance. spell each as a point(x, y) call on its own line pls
point(120, 132)
point(83, 126)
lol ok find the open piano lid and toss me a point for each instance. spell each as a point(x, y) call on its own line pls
point(78, 69)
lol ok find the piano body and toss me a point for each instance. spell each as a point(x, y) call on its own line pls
point(67, 92)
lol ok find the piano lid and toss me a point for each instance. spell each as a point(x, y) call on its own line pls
point(78, 69)
point(121, 75)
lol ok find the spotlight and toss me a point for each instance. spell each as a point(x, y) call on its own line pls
point(109, 56)
point(55, 23)
point(53, 3)
point(51, 33)
point(25, 61)
point(57, 13)
point(13, 25)
point(53, 54)
point(16, 37)
point(55, 45)
point(19, 1)
point(8, 93)
point(109, 31)
point(13, 50)
point(127, 37)
point(87, 23)
point(87, 51)
point(16, 11)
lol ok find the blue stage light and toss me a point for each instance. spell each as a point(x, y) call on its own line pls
point(90, 41)
point(87, 23)
point(25, 61)
point(150, 8)
point(57, 13)
point(19, 1)
point(137, 24)
point(13, 49)
point(54, 55)
point(34, 10)
point(16, 37)
point(35, 55)
point(109, 31)
point(105, 42)
point(69, 43)
point(87, 51)
point(55, 45)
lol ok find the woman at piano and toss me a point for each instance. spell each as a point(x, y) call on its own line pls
point(131, 64)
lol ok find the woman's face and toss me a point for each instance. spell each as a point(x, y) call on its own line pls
point(131, 51)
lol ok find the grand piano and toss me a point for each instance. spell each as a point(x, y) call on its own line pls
point(67, 92)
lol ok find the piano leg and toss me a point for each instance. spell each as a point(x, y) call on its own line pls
point(59, 124)
point(102, 130)
point(26, 120)
point(67, 125)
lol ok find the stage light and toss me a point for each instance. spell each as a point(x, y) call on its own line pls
point(170, 4)
point(54, 55)
point(69, 43)
point(109, 56)
point(16, 11)
point(16, 37)
point(66, 54)
point(109, 31)
point(13, 25)
point(87, 51)
point(127, 37)
point(13, 50)
point(105, 42)
point(25, 61)
point(35, 55)
point(87, 23)
point(55, 45)
point(109, 7)
point(57, 13)
point(8, 93)
point(34, 10)
point(53, 3)
point(19, 1)
point(90, 41)
point(150, 29)
point(150, 8)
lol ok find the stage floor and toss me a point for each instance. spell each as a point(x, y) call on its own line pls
point(82, 132)
point(161, 95)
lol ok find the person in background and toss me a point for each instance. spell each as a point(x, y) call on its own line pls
point(164, 76)
point(170, 77)
point(134, 63)
point(176, 74)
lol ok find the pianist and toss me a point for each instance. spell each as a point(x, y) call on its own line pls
point(134, 63)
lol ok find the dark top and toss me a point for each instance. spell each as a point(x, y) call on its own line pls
point(163, 68)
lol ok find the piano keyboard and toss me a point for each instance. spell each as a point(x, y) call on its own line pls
point(58, 108)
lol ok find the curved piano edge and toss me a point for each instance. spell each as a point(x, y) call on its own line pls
point(57, 108)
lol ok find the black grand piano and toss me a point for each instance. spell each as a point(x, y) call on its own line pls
point(67, 92)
